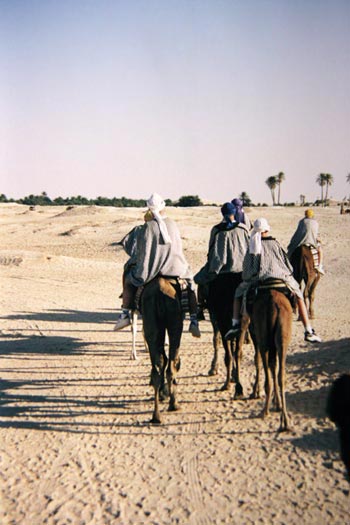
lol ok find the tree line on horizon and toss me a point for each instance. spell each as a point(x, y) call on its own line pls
point(324, 180)
point(119, 202)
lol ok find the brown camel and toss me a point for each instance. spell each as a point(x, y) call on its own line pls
point(271, 320)
point(220, 304)
point(161, 312)
point(304, 271)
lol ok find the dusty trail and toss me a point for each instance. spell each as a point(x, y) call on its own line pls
point(76, 443)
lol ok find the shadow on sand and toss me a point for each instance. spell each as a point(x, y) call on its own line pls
point(68, 316)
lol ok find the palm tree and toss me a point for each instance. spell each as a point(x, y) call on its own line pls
point(329, 181)
point(321, 182)
point(279, 179)
point(272, 184)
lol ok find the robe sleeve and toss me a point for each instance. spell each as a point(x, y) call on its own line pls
point(218, 253)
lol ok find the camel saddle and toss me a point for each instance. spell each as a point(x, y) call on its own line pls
point(262, 287)
point(175, 281)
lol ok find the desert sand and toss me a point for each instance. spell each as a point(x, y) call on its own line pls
point(76, 443)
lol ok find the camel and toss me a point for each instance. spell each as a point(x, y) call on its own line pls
point(214, 366)
point(304, 271)
point(271, 327)
point(220, 305)
point(161, 312)
point(338, 410)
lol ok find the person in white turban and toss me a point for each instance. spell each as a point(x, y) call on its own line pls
point(157, 252)
point(267, 259)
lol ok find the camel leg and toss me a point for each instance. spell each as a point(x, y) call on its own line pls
point(312, 297)
point(214, 367)
point(175, 331)
point(285, 422)
point(238, 359)
point(268, 384)
point(173, 367)
point(256, 387)
point(228, 364)
point(277, 397)
point(163, 390)
point(257, 361)
point(156, 380)
point(306, 295)
point(158, 359)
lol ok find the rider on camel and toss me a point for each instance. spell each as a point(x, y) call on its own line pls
point(307, 234)
point(266, 259)
point(156, 250)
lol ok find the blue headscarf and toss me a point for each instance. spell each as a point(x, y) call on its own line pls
point(227, 211)
point(238, 213)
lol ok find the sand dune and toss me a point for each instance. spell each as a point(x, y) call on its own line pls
point(76, 443)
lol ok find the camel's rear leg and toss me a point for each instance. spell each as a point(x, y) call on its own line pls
point(277, 398)
point(159, 361)
point(256, 387)
point(312, 297)
point(174, 365)
point(228, 364)
point(285, 420)
point(155, 379)
point(268, 383)
point(238, 358)
point(214, 367)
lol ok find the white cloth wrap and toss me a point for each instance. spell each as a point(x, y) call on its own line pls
point(156, 204)
point(260, 225)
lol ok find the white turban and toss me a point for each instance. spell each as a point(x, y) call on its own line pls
point(260, 225)
point(156, 204)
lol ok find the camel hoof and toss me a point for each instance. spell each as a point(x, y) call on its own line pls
point(163, 394)
point(254, 395)
point(213, 372)
point(264, 414)
point(285, 424)
point(156, 420)
point(284, 429)
point(238, 391)
point(237, 396)
point(225, 386)
point(173, 407)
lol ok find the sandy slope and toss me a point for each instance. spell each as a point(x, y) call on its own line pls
point(76, 443)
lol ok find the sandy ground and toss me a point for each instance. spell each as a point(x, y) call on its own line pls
point(76, 443)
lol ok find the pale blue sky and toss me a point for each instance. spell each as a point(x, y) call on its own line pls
point(181, 97)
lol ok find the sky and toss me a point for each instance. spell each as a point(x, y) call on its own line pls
point(182, 97)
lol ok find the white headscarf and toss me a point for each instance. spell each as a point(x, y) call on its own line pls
point(156, 204)
point(260, 225)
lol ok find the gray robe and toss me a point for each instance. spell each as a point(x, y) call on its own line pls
point(271, 263)
point(228, 250)
point(154, 257)
point(306, 233)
